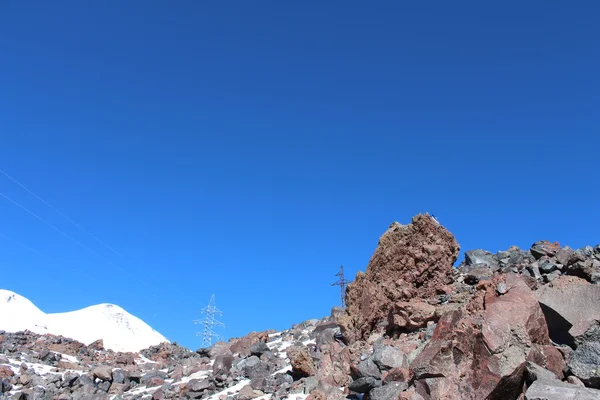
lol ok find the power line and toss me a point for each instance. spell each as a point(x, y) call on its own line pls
point(209, 323)
point(64, 234)
point(61, 213)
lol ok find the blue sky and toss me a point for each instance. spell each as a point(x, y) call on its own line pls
point(249, 149)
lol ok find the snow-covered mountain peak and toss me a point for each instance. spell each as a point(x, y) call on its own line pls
point(119, 330)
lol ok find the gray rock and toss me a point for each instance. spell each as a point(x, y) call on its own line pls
point(535, 270)
point(551, 276)
point(573, 380)
point(257, 349)
point(563, 255)
point(553, 389)
point(5, 386)
point(198, 385)
point(153, 374)
point(584, 362)
point(546, 267)
point(501, 288)
point(120, 376)
point(366, 368)
point(473, 257)
point(543, 248)
point(391, 391)
point(387, 357)
point(476, 273)
point(535, 372)
point(222, 364)
point(310, 384)
point(69, 378)
point(364, 384)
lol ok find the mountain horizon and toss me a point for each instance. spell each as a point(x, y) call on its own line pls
point(118, 329)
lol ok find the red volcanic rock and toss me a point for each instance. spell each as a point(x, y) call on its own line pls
point(482, 355)
point(413, 260)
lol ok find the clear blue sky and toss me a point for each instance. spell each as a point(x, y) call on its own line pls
point(248, 149)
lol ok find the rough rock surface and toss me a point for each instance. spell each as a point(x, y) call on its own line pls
point(413, 260)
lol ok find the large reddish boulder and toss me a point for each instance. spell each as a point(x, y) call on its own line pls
point(571, 304)
point(482, 354)
point(413, 260)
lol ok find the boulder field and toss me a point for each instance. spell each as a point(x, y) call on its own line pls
point(514, 325)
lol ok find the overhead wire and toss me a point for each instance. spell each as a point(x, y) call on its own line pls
point(60, 213)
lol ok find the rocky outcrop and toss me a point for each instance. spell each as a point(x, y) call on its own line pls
point(411, 261)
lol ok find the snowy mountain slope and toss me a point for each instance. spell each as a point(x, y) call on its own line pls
point(119, 330)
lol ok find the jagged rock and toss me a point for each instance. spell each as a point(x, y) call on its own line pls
point(103, 372)
point(553, 389)
point(584, 362)
point(365, 368)
point(158, 394)
point(573, 380)
point(247, 393)
point(5, 385)
point(364, 384)
point(564, 254)
point(387, 357)
point(388, 392)
point(6, 372)
point(222, 364)
point(482, 356)
point(535, 372)
point(257, 349)
point(544, 248)
point(302, 363)
point(409, 316)
point(548, 357)
point(242, 345)
point(412, 260)
point(481, 257)
point(570, 305)
point(197, 385)
point(476, 273)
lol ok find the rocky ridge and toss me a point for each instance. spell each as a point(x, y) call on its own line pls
point(518, 324)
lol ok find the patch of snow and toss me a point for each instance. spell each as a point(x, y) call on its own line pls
point(68, 357)
point(119, 330)
point(230, 390)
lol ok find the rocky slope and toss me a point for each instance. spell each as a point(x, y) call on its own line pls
point(518, 324)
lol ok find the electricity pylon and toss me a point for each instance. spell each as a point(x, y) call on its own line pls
point(209, 323)
point(342, 282)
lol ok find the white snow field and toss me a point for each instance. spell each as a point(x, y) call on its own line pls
point(119, 330)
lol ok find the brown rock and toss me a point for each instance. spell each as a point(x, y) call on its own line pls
point(397, 375)
point(413, 260)
point(158, 394)
point(409, 316)
point(316, 395)
point(6, 372)
point(103, 372)
point(247, 393)
point(242, 345)
point(302, 363)
point(154, 381)
point(549, 357)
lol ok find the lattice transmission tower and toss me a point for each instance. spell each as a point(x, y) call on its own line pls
point(209, 323)
point(342, 283)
